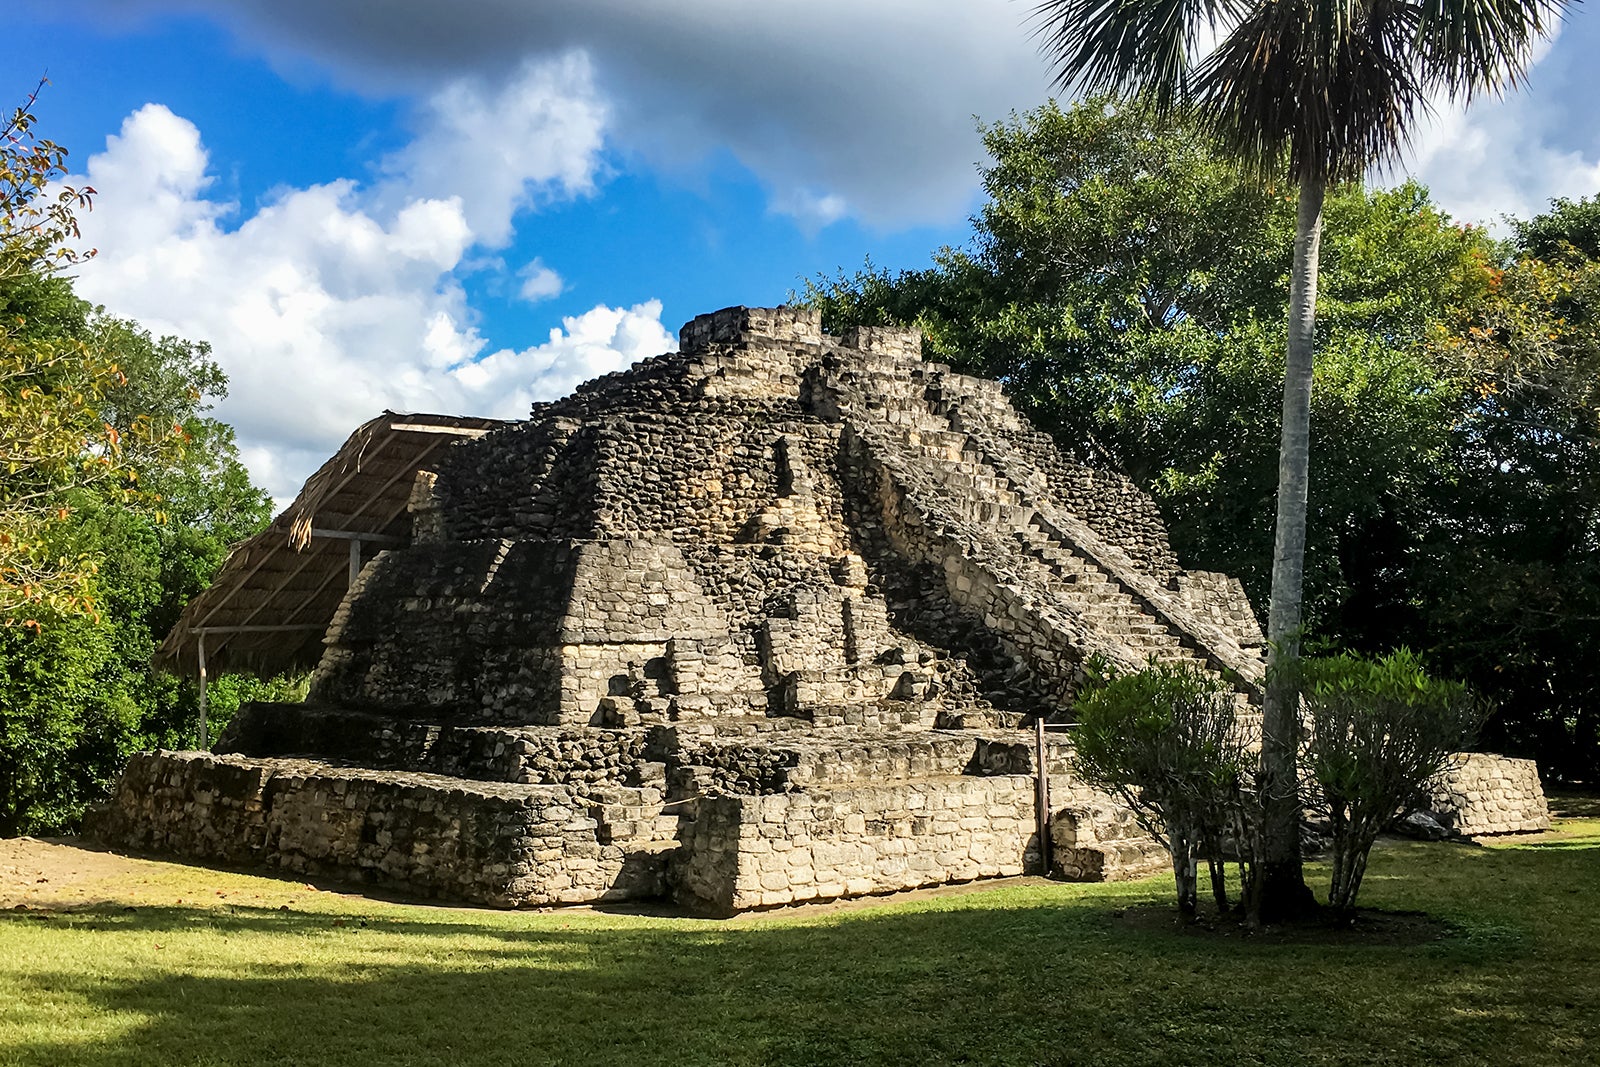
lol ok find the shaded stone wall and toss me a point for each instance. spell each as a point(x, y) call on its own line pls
point(494, 844)
point(529, 755)
point(1482, 793)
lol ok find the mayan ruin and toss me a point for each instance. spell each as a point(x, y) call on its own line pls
point(766, 620)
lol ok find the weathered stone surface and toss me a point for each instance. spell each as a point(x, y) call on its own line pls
point(750, 623)
point(425, 834)
point(1480, 793)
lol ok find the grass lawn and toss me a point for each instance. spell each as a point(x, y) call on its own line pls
point(210, 967)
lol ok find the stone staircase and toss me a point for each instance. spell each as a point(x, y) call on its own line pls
point(942, 437)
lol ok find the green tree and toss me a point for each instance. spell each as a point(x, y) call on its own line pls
point(54, 385)
point(1167, 741)
point(1379, 729)
point(119, 498)
point(1187, 401)
point(77, 694)
point(1319, 92)
point(1508, 579)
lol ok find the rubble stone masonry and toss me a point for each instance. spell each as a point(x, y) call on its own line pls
point(750, 623)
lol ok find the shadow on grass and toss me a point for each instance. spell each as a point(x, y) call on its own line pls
point(1014, 979)
point(1575, 804)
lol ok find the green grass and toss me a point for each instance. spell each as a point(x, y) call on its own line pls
point(1017, 975)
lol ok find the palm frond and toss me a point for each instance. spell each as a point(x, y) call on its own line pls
point(1328, 88)
point(1473, 46)
point(1331, 87)
point(1137, 48)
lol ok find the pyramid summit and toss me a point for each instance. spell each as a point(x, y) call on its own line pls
point(758, 621)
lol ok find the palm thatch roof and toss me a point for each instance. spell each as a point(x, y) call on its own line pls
point(271, 602)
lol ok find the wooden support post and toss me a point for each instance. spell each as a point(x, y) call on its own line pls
point(200, 648)
point(1042, 794)
point(355, 559)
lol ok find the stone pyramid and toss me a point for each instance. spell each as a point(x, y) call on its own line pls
point(753, 622)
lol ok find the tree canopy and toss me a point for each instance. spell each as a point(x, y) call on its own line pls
point(1453, 445)
point(120, 497)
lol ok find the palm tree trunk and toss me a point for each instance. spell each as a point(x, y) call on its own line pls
point(1281, 890)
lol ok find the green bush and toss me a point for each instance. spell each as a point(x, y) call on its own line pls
point(1167, 741)
point(1377, 730)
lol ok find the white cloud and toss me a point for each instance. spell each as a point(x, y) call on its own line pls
point(539, 282)
point(333, 302)
point(811, 209)
point(1511, 156)
point(600, 340)
point(500, 148)
point(836, 104)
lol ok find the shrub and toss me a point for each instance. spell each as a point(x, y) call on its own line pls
point(1167, 741)
point(1377, 730)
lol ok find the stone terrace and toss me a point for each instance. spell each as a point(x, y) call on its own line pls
point(750, 623)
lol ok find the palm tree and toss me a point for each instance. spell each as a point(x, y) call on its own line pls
point(1322, 90)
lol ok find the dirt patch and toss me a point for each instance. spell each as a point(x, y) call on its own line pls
point(1367, 926)
point(44, 873)
point(64, 874)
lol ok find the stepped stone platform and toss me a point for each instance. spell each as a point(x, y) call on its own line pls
point(768, 619)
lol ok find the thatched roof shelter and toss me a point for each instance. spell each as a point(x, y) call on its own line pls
point(271, 602)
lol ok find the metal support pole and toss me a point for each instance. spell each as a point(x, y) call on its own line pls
point(200, 648)
point(1042, 794)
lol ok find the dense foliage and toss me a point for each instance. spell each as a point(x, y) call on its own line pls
point(119, 500)
point(53, 383)
point(1507, 581)
point(1376, 731)
point(77, 693)
point(1128, 286)
point(1167, 741)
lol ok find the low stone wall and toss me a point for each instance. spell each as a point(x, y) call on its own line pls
point(1482, 793)
point(833, 757)
point(747, 852)
point(539, 755)
point(507, 845)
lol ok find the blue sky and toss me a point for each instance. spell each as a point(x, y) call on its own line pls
point(464, 207)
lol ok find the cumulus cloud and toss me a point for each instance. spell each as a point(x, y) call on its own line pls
point(1511, 156)
point(600, 340)
point(333, 302)
point(539, 282)
point(835, 104)
point(499, 148)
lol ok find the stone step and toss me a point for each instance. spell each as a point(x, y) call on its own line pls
point(587, 757)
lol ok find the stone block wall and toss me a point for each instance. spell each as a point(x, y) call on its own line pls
point(792, 761)
point(1221, 601)
point(736, 325)
point(1094, 838)
point(1481, 793)
point(575, 756)
point(761, 851)
point(493, 844)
